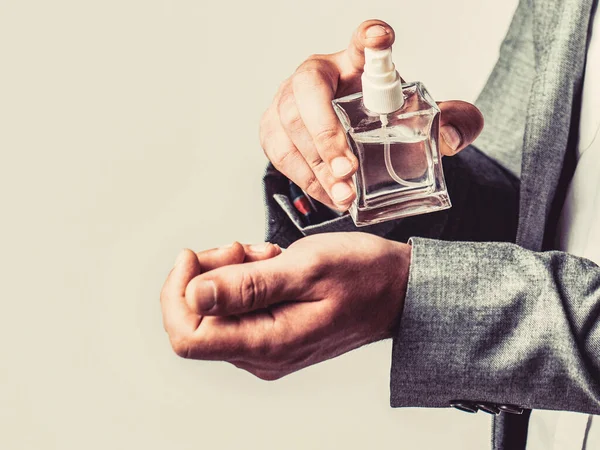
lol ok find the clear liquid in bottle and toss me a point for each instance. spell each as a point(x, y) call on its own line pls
point(400, 172)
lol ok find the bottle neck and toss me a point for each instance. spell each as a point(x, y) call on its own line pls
point(382, 99)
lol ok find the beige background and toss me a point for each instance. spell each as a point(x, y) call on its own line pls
point(128, 130)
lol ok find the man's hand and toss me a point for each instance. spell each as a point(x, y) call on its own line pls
point(303, 138)
point(323, 296)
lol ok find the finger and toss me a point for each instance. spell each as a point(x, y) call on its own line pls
point(292, 123)
point(244, 287)
point(460, 124)
point(314, 87)
point(259, 338)
point(260, 252)
point(178, 319)
point(226, 338)
point(375, 34)
point(235, 253)
point(216, 257)
point(287, 159)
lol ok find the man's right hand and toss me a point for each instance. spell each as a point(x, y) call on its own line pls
point(303, 138)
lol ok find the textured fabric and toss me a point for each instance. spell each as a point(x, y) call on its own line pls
point(498, 323)
point(579, 219)
point(504, 101)
point(493, 321)
point(557, 30)
point(560, 30)
point(581, 212)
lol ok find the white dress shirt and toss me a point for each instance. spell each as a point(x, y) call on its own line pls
point(578, 234)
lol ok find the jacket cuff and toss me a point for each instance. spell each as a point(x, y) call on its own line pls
point(444, 351)
point(492, 323)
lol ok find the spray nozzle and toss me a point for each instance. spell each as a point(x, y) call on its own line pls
point(379, 62)
point(381, 84)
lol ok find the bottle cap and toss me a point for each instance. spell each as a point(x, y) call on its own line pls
point(381, 83)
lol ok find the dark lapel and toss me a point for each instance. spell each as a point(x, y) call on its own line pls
point(560, 29)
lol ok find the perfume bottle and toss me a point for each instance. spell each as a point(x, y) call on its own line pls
point(392, 128)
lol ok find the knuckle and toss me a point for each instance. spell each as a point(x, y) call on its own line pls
point(252, 291)
point(314, 161)
point(309, 74)
point(327, 137)
point(289, 116)
point(323, 173)
point(291, 120)
point(314, 266)
point(316, 70)
point(282, 159)
point(313, 62)
point(312, 186)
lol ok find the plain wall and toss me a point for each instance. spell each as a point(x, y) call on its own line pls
point(128, 130)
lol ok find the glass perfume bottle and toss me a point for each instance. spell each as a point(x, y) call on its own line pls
point(392, 128)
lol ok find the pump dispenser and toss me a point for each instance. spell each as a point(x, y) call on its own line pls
point(381, 83)
point(392, 128)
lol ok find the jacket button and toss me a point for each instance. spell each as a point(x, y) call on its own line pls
point(511, 409)
point(488, 408)
point(464, 406)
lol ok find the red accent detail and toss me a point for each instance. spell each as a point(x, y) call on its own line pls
point(302, 204)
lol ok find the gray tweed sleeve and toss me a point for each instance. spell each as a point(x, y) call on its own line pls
point(493, 322)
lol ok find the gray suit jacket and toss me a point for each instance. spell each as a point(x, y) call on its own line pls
point(489, 316)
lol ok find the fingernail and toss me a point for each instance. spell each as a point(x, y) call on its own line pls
point(180, 257)
point(341, 166)
point(340, 192)
point(451, 136)
point(205, 295)
point(226, 246)
point(376, 31)
point(259, 248)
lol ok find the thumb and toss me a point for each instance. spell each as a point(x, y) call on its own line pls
point(241, 288)
point(374, 34)
point(460, 124)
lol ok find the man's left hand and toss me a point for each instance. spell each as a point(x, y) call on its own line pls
point(272, 313)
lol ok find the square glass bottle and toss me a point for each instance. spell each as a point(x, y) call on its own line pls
point(395, 138)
